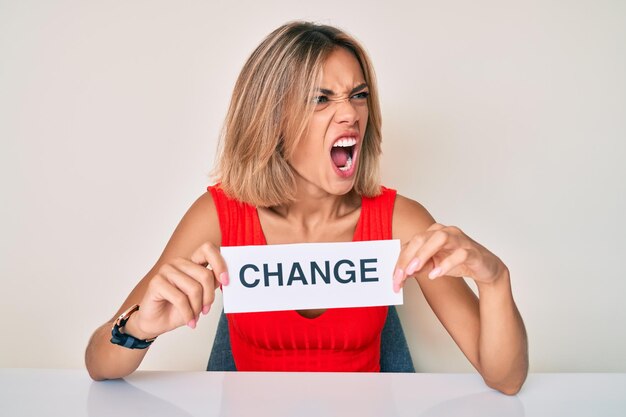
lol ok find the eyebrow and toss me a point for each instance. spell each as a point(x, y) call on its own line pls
point(354, 90)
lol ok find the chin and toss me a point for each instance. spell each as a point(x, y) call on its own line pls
point(342, 188)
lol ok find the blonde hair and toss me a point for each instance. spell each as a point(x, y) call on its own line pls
point(270, 110)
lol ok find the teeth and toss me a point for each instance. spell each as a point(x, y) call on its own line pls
point(345, 142)
point(348, 165)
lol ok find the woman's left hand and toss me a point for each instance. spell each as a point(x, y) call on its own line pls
point(446, 250)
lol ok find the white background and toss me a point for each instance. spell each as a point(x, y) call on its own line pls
point(507, 119)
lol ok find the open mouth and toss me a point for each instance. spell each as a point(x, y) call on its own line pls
point(342, 153)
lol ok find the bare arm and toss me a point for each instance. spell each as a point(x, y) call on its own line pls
point(489, 330)
point(173, 293)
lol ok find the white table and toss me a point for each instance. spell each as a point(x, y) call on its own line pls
point(67, 393)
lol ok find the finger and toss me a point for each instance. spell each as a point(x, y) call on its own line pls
point(209, 254)
point(456, 258)
point(204, 276)
point(437, 241)
point(406, 254)
point(435, 226)
point(415, 244)
point(165, 290)
point(189, 286)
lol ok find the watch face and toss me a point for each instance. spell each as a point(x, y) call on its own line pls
point(121, 320)
point(126, 340)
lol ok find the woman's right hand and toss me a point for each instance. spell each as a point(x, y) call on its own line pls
point(181, 290)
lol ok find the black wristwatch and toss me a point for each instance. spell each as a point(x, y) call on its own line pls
point(126, 340)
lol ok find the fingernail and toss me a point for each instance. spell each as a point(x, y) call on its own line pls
point(397, 279)
point(413, 266)
point(224, 278)
point(434, 273)
point(205, 310)
point(398, 274)
point(192, 323)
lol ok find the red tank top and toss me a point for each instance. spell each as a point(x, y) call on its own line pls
point(340, 340)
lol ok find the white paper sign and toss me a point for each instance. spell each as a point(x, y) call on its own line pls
point(310, 275)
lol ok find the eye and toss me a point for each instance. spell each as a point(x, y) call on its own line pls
point(320, 100)
point(363, 95)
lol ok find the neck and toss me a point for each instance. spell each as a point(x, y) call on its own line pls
point(314, 207)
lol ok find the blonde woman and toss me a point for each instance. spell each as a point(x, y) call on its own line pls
point(299, 163)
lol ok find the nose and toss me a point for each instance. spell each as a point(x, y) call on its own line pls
point(346, 112)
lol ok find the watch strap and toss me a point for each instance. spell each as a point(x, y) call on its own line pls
point(124, 339)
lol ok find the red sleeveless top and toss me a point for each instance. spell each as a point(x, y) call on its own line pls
point(340, 340)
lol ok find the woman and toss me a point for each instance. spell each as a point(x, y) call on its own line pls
point(299, 163)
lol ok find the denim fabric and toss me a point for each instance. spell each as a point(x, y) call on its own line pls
point(221, 358)
point(394, 351)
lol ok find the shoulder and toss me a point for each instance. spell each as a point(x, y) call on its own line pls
point(204, 207)
point(200, 224)
point(409, 218)
point(202, 214)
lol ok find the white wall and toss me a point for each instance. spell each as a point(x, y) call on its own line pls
point(505, 118)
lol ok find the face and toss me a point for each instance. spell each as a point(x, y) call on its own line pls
point(327, 157)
